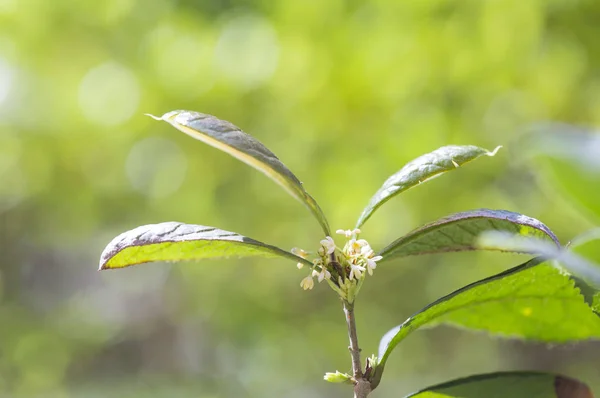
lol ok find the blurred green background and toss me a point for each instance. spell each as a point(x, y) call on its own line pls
point(345, 93)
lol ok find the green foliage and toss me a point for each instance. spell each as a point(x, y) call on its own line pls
point(421, 169)
point(459, 232)
point(508, 385)
point(172, 241)
point(534, 301)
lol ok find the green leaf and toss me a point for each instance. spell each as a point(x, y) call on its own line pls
point(532, 301)
point(459, 232)
point(174, 241)
point(230, 139)
point(421, 169)
point(508, 385)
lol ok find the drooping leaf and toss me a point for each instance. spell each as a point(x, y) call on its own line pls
point(509, 385)
point(459, 232)
point(579, 266)
point(532, 301)
point(230, 139)
point(174, 241)
point(421, 169)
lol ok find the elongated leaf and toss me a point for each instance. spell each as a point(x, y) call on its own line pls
point(174, 241)
point(508, 385)
point(421, 169)
point(459, 232)
point(532, 301)
point(230, 139)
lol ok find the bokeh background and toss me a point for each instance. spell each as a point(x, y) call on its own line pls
point(345, 93)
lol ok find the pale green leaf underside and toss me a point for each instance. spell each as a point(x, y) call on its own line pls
point(421, 169)
point(532, 301)
point(459, 232)
point(230, 139)
point(508, 385)
point(173, 241)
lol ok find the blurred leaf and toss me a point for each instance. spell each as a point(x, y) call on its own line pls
point(421, 169)
point(509, 385)
point(570, 160)
point(173, 241)
point(459, 232)
point(532, 301)
point(230, 139)
point(500, 240)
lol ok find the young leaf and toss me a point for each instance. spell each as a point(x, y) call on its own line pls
point(508, 384)
point(230, 139)
point(531, 301)
point(421, 169)
point(173, 241)
point(459, 232)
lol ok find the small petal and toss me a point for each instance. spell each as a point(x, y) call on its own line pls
point(307, 283)
point(300, 265)
point(340, 232)
point(356, 271)
point(315, 273)
point(371, 265)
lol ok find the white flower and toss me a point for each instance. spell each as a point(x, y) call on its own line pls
point(371, 263)
point(307, 283)
point(328, 244)
point(300, 265)
point(324, 274)
point(356, 271)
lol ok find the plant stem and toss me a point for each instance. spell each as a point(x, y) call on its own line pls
point(362, 388)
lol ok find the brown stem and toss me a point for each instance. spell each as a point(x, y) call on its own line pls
point(362, 388)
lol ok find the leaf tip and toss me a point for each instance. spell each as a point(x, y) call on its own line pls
point(153, 117)
point(495, 151)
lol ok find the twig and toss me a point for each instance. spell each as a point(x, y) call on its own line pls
point(362, 388)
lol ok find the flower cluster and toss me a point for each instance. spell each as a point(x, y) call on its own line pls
point(358, 254)
point(348, 265)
